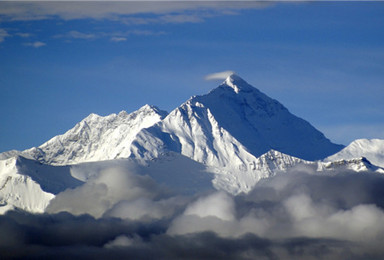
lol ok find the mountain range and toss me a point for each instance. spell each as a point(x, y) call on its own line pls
point(228, 139)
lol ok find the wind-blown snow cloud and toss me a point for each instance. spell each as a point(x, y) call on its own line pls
point(219, 75)
point(300, 214)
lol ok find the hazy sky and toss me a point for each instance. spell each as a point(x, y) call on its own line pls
point(60, 61)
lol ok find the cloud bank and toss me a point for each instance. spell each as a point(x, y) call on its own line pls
point(116, 213)
point(71, 10)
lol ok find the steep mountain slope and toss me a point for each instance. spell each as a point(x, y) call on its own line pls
point(96, 138)
point(372, 149)
point(261, 123)
point(29, 185)
point(230, 127)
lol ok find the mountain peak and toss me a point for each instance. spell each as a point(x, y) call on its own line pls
point(151, 109)
point(234, 120)
point(238, 84)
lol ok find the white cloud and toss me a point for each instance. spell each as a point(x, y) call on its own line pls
point(145, 209)
point(122, 241)
point(294, 204)
point(219, 75)
point(68, 10)
point(80, 35)
point(113, 36)
point(218, 205)
point(143, 32)
point(3, 34)
point(36, 44)
point(285, 216)
point(182, 18)
point(114, 191)
point(24, 35)
point(76, 35)
point(118, 39)
point(164, 19)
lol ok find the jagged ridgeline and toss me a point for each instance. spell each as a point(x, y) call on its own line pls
point(230, 125)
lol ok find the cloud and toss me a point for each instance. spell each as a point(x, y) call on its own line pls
point(65, 236)
point(164, 19)
point(3, 35)
point(118, 36)
point(24, 35)
point(69, 10)
point(36, 44)
point(103, 192)
point(118, 39)
point(182, 18)
point(142, 32)
point(121, 241)
point(303, 204)
point(80, 35)
point(298, 214)
point(77, 35)
point(219, 75)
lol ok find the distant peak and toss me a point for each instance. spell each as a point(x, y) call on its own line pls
point(147, 107)
point(151, 108)
point(91, 117)
point(238, 84)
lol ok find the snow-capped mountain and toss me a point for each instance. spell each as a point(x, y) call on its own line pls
point(357, 164)
point(267, 165)
point(230, 127)
point(29, 185)
point(274, 162)
point(232, 138)
point(372, 149)
point(96, 138)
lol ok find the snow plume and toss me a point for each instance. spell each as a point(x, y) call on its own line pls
point(301, 214)
point(219, 75)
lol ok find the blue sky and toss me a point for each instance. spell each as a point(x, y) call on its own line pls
point(61, 61)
